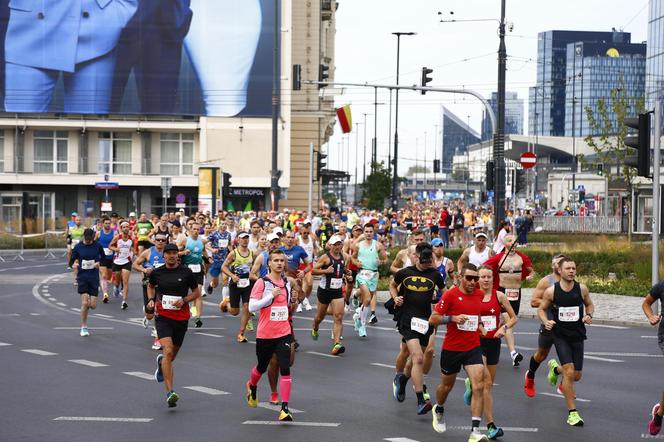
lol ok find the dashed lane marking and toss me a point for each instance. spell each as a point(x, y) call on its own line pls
point(104, 419)
point(4, 344)
point(615, 327)
point(35, 314)
point(649, 337)
point(212, 335)
point(625, 355)
point(597, 358)
point(87, 363)
point(378, 364)
point(269, 406)
point(322, 354)
point(140, 374)
point(309, 329)
point(514, 429)
point(78, 328)
point(648, 436)
point(61, 304)
point(74, 309)
point(562, 397)
point(400, 439)
point(102, 315)
point(35, 351)
point(9, 314)
point(206, 390)
point(293, 424)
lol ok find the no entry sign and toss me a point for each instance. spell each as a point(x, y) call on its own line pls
point(528, 160)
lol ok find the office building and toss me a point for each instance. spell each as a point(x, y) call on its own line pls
point(513, 115)
point(655, 51)
point(456, 137)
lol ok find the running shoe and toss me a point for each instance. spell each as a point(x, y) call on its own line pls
point(516, 359)
point(172, 399)
point(552, 376)
point(307, 304)
point(158, 375)
point(250, 325)
point(362, 331)
point(145, 322)
point(529, 386)
point(373, 319)
point(398, 388)
point(354, 301)
point(299, 308)
point(559, 390)
point(438, 420)
point(424, 407)
point(357, 323)
point(476, 436)
point(153, 332)
point(209, 289)
point(105, 300)
point(84, 332)
point(285, 416)
point(252, 400)
point(223, 305)
point(194, 311)
point(495, 432)
point(274, 398)
point(425, 393)
point(156, 345)
point(653, 427)
point(124, 305)
point(116, 292)
point(338, 349)
point(241, 339)
point(198, 323)
point(468, 393)
point(314, 334)
point(574, 419)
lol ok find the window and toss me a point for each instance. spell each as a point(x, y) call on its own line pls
point(50, 151)
point(177, 154)
point(115, 153)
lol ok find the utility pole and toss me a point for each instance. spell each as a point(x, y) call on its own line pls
point(374, 141)
point(357, 150)
point(425, 161)
point(499, 135)
point(276, 51)
point(364, 178)
point(656, 196)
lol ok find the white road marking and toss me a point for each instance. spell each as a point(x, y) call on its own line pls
point(309, 329)
point(634, 355)
point(9, 314)
point(648, 436)
point(597, 358)
point(212, 335)
point(140, 374)
point(78, 328)
point(214, 328)
point(102, 316)
point(4, 344)
point(563, 397)
point(211, 317)
point(45, 287)
point(104, 419)
point(515, 429)
point(650, 337)
point(273, 407)
point(87, 363)
point(526, 333)
point(293, 424)
point(322, 354)
point(616, 327)
point(378, 364)
point(400, 439)
point(35, 351)
point(369, 326)
point(206, 390)
point(74, 309)
point(61, 304)
point(35, 314)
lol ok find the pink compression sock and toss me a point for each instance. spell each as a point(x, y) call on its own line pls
point(255, 376)
point(285, 383)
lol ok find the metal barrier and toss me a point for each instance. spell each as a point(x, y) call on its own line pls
point(400, 237)
point(579, 224)
point(50, 237)
point(12, 246)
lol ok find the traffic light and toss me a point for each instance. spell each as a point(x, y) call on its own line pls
point(436, 166)
point(582, 196)
point(323, 74)
point(490, 175)
point(320, 163)
point(641, 142)
point(297, 77)
point(520, 183)
point(425, 78)
point(600, 169)
point(226, 181)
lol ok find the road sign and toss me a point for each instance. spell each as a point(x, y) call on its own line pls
point(528, 160)
point(107, 185)
point(106, 207)
point(180, 198)
point(180, 205)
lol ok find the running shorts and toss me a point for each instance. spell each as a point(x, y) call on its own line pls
point(89, 285)
point(569, 352)
point(368, 278)
point(170, 328)
point(545, 339)
point(326, 296)
point(407, 334)
point(236, 294)
point(215, 269)
point(452, 361)
point(491, 350)
point(516, 304)
point(120, 267)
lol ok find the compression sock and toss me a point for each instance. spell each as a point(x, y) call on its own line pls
point(255, 376)
point(490, 425)
point(420, 397)
point(475, 423)
point(534, 365)
point(364, 315)
point(658, 419)
point(285, 383)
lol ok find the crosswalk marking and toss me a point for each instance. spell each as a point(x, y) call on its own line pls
point(206, 390)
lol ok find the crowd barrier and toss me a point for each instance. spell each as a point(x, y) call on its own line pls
point(13, 245)
point(579, 224)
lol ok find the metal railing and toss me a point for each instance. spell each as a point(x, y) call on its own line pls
point(579, 224)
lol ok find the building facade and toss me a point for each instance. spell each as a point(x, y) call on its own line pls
point(456, 137)
point(513, 115)
point(655, 51)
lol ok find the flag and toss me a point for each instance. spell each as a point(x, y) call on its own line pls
point(345, 119)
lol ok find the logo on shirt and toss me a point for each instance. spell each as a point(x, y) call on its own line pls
point(418, 284)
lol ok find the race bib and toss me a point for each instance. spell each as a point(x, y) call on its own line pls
point(168, 302)
point(336, 283)
point(242, 283)
point(223, 243)
point(279, 314)
point(367, 274)
point(88, 264)
point(568, 314)
point(196, 268)
point(471, 324)
point(512, 294)
point(107, 251)
point(74, 242)
point(489, 323)
point(419, 325)
point(158, 264)
point(124, 253)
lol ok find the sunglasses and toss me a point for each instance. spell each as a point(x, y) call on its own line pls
point(471, 278)
point(160, 240)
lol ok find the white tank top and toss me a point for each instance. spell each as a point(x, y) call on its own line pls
point(308, 247)
point(477, 258)
point(253, 245)
point(124, 251)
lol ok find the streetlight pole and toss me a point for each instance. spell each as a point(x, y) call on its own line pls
point(364, 158)
point(395, 175)
point(499, 136)
point(357, 150)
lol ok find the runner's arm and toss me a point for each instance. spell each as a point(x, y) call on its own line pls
point(397, 263)
point(513, 318)
point(648, 301)
point(138, 264)
point(255, 268)
point(546, 302)
point(536, 299)
point(588, 302)
point(318, 267)
point(462, 259)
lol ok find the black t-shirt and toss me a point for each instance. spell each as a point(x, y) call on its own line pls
point(417, 288)
point(173, 282)
point(657, 292)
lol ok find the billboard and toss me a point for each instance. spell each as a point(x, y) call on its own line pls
point(148, 57)
point(209, 187)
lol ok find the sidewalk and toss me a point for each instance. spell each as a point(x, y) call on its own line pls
point(609, 309)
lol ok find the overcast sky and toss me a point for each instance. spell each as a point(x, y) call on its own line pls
point(461, 54)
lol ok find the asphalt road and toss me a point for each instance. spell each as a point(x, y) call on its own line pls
point(57, 386)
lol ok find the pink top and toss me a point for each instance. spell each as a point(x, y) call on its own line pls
point(273, 319)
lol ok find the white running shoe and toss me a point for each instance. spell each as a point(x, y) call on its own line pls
point(299, 308)
point(307, 304)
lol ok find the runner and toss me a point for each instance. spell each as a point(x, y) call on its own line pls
point(70, 224)
point(331, 267)
point(259, 268)
point(171, 287)
point(143, 229)
point(191, 252)
point(272, 298)
point(220, 241)
point(163, 228)
point(309, 244)
point(146, 263)
point(545, 339)
point(571, 308)
point(478, 253)
point(105, 237)
point(237, 267)
point(510, 269)
point(413, 288)
point(122, 246)
point(461, 307)
point(656, 292)
point(296, 255)
point(85, 258)
point(349, 246)
point(76, 235)
point(368, 255)
point(254, 236)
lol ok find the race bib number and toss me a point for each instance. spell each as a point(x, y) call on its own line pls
point(223, 243)
point(512, 294)
point(242, 283)
point(336, 283)
point(279, 314)
point(196, 268)
point(168, 302)
point(108, 251)
point(419, 325)
point(367, 274)
point(489, 323)
point(471, 324)
point(568, 314)
point(88, 264)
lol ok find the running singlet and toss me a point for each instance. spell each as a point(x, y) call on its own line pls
point(241, 266)
point(76, 233)
point(476, 258)
point(417, 288)
point(155, 260)
point(143, 230)
point(264, 270)
point(253, 245)
point(165, 232)
point(220, 240)
point(273, 319)
point(124, 251)
point(333, 281)
point(490, 316)
point(466, 336)
point(194, 259)
point(368, 256)
point(308, 247)
point(104, 240)
point(87, 256)
point(568, 311)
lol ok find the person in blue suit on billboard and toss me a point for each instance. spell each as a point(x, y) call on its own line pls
point(74, 37)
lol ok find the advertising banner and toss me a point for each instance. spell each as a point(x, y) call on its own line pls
point(209, 178)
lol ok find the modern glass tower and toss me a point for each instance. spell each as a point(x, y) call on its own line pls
point(513, 115)
point(655, 52)
point(457, 136)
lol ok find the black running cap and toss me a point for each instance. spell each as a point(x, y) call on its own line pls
point(171, 248)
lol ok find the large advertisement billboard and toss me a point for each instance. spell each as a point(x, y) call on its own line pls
point(152, 57)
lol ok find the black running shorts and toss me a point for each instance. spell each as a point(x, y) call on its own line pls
point(170, 328)
point(452, 361)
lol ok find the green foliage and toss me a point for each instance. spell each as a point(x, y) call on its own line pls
point(330, 199)
point(377, 186)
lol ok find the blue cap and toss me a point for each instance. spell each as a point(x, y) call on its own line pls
point(436, 242)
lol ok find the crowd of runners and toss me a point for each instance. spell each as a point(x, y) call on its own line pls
point(264, 267)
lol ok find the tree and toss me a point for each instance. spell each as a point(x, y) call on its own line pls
point(330, 199)
point(377, 186)
point(412, 170)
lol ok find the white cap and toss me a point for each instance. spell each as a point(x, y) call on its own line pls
point(272, 237)
point(243, 235)
point(334, 240)
point(278, 230)
point(132, 214)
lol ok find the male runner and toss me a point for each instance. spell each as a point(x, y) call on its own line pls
point(571, 308)
point(104, 237)
point(478, 253)
point(191, 252)
point(254, 236)
point(163, 228)
point(75, 233)
point(171, 287)
point(143, 229)
point(296, 255)
point(85, 257)
point(259, 268)
point(122, 245)
point(368, 255)
point(237, 267)
point(151, 259)
point(656, 292)
point(220, 241)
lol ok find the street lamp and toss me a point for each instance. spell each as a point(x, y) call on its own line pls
point(395, 175)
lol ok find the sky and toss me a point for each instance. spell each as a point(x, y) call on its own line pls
point(462, 55)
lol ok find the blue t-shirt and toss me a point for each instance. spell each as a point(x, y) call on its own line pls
point(87, 255)
point(220, 240)
point(296, 255)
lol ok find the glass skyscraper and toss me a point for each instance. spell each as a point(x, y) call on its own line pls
point(513, 115)
point(655, 52)
point(457, 136)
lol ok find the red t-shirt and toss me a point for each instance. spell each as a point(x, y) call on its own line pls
point(442, 221)
point(495, 261)
point(273, 320)
point(455, 302)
